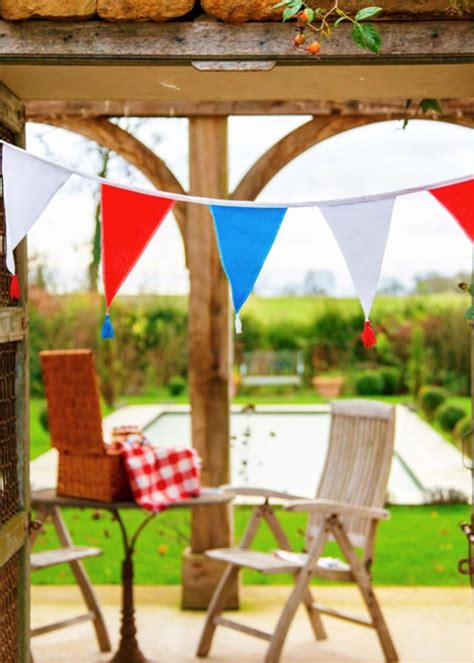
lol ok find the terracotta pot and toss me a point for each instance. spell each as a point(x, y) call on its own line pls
point(328, 386)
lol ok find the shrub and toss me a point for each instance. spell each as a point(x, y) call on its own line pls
point(417, 364)
point(391, 380)
point(430, 398)
point(369, 383)
point(448, 416)
point(176, 385)
point(462, 429)
point(43, 418)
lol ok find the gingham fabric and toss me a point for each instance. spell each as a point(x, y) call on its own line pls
point(160, 476)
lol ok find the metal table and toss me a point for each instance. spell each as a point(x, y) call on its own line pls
point(128, 650)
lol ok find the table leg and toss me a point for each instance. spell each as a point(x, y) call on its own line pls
point(128, 650)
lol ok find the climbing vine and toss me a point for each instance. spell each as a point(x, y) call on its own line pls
point(319, 24)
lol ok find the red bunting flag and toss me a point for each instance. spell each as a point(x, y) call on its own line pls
point(458, 199)
point(129, 221)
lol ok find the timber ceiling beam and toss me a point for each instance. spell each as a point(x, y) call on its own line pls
point(109, 135)
point(38, 110)
point(209, 41)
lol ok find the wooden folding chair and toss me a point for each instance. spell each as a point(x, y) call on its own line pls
point(347, 508)
point(71, 555)
point(85, 470)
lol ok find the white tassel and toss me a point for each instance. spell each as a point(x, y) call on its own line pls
point(238, 324)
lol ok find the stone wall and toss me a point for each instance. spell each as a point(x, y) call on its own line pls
point(226, 10)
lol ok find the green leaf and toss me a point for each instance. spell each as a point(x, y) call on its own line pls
point(291, 10)
point(339, 20)
point(367, 12)
point(469, 315)
point(430, 104)
point(367, 37)
point(309, 14)
point(281, 4)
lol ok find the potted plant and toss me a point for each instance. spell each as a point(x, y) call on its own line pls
point(328, 385)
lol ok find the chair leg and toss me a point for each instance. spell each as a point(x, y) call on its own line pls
point(314, 616)
point(217, 603)
point(216, 606)
point(298, 595)
point(364, 584)
point(84, 583)
point(282, 539)
point(379, 622)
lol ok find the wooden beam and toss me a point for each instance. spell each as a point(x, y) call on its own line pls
point(209, 343)
point(118, 140)
point(185, 42)
point(41, 110)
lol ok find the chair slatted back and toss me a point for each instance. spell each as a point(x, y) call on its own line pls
point(72, 394)
point(358, 461)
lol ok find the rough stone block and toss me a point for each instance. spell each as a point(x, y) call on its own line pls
point(262, 10)
point(143, 10)
point(18, 10)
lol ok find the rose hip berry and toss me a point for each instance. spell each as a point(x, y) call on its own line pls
point(299, 40)
point(314, 47)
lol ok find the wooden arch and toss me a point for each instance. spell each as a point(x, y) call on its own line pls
point(301, 139)
point(112, 137)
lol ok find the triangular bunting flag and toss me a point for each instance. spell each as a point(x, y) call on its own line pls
point(458, 199)
point(245, 236)
point(361, 230)
point(129, 221)
point(29, 184)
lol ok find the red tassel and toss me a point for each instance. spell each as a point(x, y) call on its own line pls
point(14, 287)
point(368, 335)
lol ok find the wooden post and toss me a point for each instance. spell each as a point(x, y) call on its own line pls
point(210, 343)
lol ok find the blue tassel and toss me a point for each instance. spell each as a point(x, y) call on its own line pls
point(107, 329)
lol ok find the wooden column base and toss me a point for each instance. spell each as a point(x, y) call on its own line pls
point(200, 575)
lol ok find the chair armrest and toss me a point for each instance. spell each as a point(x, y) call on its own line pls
point(252, 491)
point(331, 507)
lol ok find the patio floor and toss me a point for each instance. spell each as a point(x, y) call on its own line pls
point(428, 624)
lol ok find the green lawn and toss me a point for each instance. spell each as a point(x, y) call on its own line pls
point(418, 546)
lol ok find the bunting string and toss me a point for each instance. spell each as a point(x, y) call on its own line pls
point(225, 202)
point(245, 230)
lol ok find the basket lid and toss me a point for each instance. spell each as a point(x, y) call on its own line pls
point(72, 394)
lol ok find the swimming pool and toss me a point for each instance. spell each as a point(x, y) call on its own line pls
point(280, 450)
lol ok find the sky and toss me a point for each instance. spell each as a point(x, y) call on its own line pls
point(372, 159)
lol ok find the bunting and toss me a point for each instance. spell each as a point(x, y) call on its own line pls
point(361, 231)
point(458, 199)
point(245, 230)
point(29, 184)
point(129, 221)
point(245, 236)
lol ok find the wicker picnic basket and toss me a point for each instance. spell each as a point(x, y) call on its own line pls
point(88, 467)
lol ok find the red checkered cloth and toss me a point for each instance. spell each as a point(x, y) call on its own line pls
point(160, 476)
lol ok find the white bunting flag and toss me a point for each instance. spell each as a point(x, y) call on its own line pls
point(361, 230)
point(29, 183)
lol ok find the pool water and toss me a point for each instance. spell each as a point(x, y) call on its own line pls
point(279, 450)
